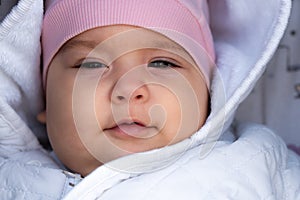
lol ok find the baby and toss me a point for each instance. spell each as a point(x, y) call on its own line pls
point(121, 84)
point(136, 105)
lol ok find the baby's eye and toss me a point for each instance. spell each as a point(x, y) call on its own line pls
point(92, 65)
point(162, 64)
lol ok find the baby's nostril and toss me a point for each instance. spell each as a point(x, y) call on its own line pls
point(139, 96)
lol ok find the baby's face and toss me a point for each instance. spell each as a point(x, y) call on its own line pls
point(116, 90)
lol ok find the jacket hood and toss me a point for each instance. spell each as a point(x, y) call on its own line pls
point(20, 52)
point(246, 34)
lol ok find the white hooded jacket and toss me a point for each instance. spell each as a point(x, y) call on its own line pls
point(219, 161)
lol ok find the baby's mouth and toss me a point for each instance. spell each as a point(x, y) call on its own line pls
point(131, 129)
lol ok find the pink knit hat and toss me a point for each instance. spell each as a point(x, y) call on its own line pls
point(65, 19)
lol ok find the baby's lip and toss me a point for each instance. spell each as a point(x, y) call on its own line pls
point(125, 122)
point(131, 122)
point(131, 128)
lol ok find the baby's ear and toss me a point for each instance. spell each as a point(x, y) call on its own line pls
point(41, 117)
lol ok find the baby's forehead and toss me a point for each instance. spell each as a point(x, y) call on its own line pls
point(128, 39)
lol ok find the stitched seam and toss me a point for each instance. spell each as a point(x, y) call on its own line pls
point(15, 16)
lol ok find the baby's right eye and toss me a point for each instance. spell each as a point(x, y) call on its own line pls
point(92, 65)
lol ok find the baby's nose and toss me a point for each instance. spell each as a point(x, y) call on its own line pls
point(130, 94)
point(130, 88)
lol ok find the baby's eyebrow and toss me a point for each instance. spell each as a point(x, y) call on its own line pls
point(87, 44)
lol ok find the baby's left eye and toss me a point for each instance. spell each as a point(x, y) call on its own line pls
point(93, 64)
point(162, 64)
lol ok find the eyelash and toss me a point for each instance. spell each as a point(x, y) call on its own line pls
point(162, 64)
point(91, 65)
